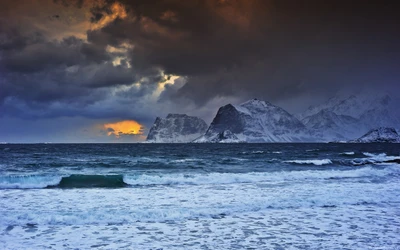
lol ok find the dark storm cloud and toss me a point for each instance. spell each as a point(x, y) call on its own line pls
point(37, 72)
point(68, 3)
point(274, 50)
point(270, 49)
point(198, 40)
point(12, 39)
point(67, 76)
point(64, 84)
point(38, 54)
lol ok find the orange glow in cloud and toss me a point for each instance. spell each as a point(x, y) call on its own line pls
point(117, 11)
point(128, 127)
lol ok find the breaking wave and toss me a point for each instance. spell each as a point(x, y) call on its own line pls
point(252, 152)
point(257, 177)
point(71, 181)
point(348, 153)
point(120, 181)
point(28, 181)
point(311, 162)
point(376, 159)
point(90, 181)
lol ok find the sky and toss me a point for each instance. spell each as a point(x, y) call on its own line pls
point(103, 70)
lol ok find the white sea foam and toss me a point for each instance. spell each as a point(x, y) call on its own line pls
point(348, 153)
point(285, 207)
point(186, 160)
point(174, 203)
point(350, 227)
point(37, 181)
point(290, 209)
point(255, 177)
point(253, 152)
point(28, 181)
point(311, 162)
point(375, 159)
point(380, 156)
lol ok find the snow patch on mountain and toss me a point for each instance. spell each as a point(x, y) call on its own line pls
point(223, 137)
point(382, 134)
point(176, 128)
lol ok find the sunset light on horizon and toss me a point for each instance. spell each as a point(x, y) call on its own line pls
point(127, 127)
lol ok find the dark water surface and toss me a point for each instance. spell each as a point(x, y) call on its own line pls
point(200, 196)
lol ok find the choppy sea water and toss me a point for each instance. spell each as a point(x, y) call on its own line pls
point(200, 196)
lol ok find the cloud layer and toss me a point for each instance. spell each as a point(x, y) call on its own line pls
point(105, 59)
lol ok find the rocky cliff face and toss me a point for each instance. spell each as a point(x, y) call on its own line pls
point(381, 134)
point(255, 121)
point(176, 128)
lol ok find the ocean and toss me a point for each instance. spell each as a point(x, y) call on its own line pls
point(199, 196)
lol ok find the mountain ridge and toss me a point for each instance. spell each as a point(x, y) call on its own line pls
point(339, 119)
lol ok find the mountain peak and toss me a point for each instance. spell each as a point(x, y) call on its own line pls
point(176, 128)
point(256, 102)
point(255, 121)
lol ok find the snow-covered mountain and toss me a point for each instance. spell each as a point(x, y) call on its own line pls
point(353, 106)
point(255, 121)
point(381, 134)
point(339, 119)
point(383, 112)
point(176, 128)
point(327, 125)
point(344, 118)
